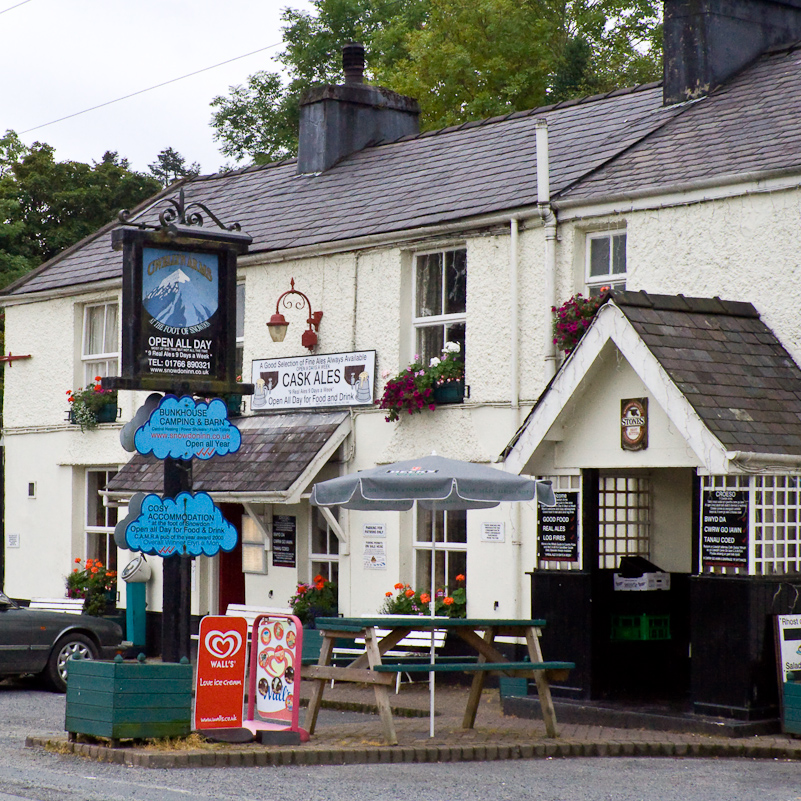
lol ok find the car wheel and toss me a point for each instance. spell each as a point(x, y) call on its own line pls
point(68, 646)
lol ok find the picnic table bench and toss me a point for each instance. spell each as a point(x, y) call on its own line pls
point(369, 666)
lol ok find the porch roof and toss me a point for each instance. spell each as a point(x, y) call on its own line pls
point(726, 365)
point(280, 455)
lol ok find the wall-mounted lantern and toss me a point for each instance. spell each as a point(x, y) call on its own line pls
point(278, 323)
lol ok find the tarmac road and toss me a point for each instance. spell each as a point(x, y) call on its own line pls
point(35, 774)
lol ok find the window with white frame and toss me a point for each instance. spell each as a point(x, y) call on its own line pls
point(323, 547)
point(606, 261)
point(254, 551)
point(450, 535)
point(240, 329)
point(624, 519)
point(100, 346)
point(440, 301)
point(100, 519)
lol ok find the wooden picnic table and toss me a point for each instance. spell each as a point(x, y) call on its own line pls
point(479, 634)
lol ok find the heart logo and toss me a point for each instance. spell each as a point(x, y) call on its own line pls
point(223, 644)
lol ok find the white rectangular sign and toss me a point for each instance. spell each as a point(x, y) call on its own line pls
point(314, 381)
point(374, 530)
point(12, 540)
point(375, 555)
point(493, 532)
point(788, 635)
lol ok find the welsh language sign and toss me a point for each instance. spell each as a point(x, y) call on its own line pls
point(304, 382)
point(220, 680)
point(724, 528)
point(182, 428)
point(557, 529)
point(188, 524)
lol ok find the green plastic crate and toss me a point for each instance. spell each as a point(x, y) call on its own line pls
point(629, 628)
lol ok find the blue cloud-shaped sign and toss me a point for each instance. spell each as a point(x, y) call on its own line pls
point(188, 524)
point(182, 428)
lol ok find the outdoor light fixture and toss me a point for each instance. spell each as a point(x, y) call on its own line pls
point(278, 323)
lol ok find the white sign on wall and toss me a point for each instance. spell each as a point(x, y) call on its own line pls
point(374, 530)
point(493, 532)
point(12, 540)
point(314, 381)
point(375, 555)
point(788, 641)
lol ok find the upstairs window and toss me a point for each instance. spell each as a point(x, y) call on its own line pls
point(606, 261)
point(100, 348)
point(440, 301)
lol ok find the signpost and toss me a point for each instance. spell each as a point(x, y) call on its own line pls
point(179, 305)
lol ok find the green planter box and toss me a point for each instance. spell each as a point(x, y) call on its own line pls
point(124, 700)
point(791, 718)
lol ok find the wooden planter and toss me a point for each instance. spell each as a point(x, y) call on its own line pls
point(450, 392)
point(791, 717)
point(128, 700)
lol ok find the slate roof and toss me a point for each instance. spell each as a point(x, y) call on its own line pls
point(436, 177)
point(729, 365)
point(276, 449)
point(750, 124)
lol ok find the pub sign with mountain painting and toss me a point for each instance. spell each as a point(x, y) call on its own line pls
point(178, 304)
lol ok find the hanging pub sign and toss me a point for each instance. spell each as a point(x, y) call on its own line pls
point(724, 528)
point(557, 529)
point(179, 304)
point(634, 424)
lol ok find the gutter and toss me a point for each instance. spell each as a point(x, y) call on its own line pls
point(763, 461)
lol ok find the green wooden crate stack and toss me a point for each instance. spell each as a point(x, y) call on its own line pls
point(128, 700)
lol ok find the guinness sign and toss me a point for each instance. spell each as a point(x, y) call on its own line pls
point(634, 424)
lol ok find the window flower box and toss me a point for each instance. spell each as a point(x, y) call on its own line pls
point(419, 387)
point(92, 405)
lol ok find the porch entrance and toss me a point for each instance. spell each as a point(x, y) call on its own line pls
point(629, 646)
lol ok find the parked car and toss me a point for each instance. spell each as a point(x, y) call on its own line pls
point(41, 642)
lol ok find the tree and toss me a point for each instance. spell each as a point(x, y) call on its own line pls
point(46, 206)
point(170, 165)
point(462, 61)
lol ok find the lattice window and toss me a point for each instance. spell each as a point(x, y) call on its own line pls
point(732, 483)
point(624, 519)
point(566, 484)
point(777, 510)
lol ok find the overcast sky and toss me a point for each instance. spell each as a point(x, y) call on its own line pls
point(59, 57)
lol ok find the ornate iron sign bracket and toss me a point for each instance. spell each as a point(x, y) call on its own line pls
point(178, 211)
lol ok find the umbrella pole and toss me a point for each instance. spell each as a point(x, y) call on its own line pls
point(432, 607)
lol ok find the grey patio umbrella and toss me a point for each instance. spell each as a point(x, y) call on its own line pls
point(435, 483)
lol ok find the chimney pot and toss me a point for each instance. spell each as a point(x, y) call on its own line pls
point(353, 62)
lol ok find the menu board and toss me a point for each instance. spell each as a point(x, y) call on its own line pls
point(277, 669)
point(724, 528)
point(557, 529)
point(284, 541)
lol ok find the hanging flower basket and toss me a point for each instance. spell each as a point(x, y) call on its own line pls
point(572, 319)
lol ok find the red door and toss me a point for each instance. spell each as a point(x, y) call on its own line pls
point(232, 579)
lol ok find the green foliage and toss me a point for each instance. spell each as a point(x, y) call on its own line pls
point(572, 319)
point(462, 61)
point(87, 401)
point(91, 581)
point(318, 599)
point(407, 601)
point(46, 206)
point(170, 165)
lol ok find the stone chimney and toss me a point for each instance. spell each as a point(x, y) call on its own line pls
point(336, 121)
point(708, 41)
